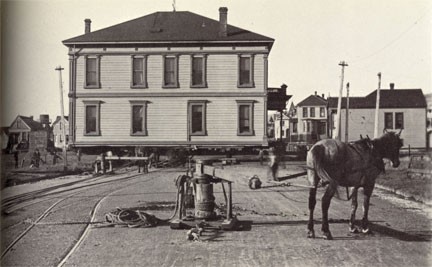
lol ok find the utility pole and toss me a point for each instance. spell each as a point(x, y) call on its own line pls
point(347, 113)
point(59, 69)
point(338, 115)
point(377, 106)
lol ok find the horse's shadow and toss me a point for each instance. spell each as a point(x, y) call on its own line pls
point(377, 230)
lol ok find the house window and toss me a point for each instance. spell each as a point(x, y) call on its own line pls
point(139, 72)
point(312, 112)
point(24, 136)
point(198, 71)
point(92, 117)
point(245, 71)
point(322, 112)
point(197, 117)
point(295, 125)
point(388, 120)
point(399, 120)
point(305, 112)
point(306, 126)
point(322, 128)
point(92, 72)
point(170, 68)
point(245, 117)
point(138, 117)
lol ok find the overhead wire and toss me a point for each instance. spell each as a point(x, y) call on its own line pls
point(393, 41)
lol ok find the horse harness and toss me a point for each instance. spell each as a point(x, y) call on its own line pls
point(375, 161)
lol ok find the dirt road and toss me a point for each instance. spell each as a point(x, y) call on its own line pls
point(274, 221)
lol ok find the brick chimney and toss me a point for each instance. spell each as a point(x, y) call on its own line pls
point(87, 25)
point(391, 86)
point(223, 21)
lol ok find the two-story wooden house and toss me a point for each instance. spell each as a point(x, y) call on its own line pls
point(168, 79)
point(57, 131)
point(310, 123)
point(399, 109)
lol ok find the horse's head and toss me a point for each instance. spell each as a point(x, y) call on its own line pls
point(388, 146)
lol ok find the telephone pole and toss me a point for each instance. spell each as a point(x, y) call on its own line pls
point(377, 106)
point(338, 115)
point(347, 113)
point(59, 69)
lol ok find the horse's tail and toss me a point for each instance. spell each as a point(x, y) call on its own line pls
point(315, 168)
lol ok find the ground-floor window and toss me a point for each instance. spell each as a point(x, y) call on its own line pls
point(92, 117)
point(138, 117)
point(197, 117)
point(245, 117)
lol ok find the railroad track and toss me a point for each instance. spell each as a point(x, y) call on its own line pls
point(58, 196)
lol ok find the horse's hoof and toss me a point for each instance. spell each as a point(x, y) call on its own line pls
point(366, 231)
point(327, 236)
point(311, 234)
point(354, 230)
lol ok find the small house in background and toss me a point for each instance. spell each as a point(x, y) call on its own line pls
point(399, 109)
point(30, 134)
point(5, 146)
point(310, 122)
point(57, 131)
point(281, 127)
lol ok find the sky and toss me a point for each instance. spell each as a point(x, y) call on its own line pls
point(312, 37)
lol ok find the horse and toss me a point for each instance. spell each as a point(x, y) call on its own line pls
point(332, 163)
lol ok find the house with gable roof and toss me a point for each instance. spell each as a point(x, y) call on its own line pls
point(310, 122)
point(28, 133)
point(57, 131)
point(399, 109)
point(168, 79)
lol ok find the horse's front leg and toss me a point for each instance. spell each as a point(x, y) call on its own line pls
point(312, 202)
point(354, 204)
point(328, 195)
point(365, 222)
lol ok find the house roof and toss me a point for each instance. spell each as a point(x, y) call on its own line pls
point(396, 98)
point(179, 26)
point(32, 124)
point(313, 100)
point(58, 118)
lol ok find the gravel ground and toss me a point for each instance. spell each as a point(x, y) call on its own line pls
point(274, 232)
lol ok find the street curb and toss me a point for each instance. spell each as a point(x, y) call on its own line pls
point(404, 194)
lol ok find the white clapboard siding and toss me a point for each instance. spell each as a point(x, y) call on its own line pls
point(361, 122)
point(167, 120)
point(222, 74)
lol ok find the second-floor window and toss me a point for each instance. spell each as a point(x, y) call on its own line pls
point(170, 69)
point(245, 71)
point(139, 72)
point(198, 71)
point(305, 112)
point(312, 112)
point(322, 112)
point(92, 72)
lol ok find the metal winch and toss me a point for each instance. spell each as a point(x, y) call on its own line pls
point(204, 200)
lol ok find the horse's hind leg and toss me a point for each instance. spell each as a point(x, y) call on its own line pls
point(312, 202)
point(326, 199)
point(365, 222)
point(354, 204)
